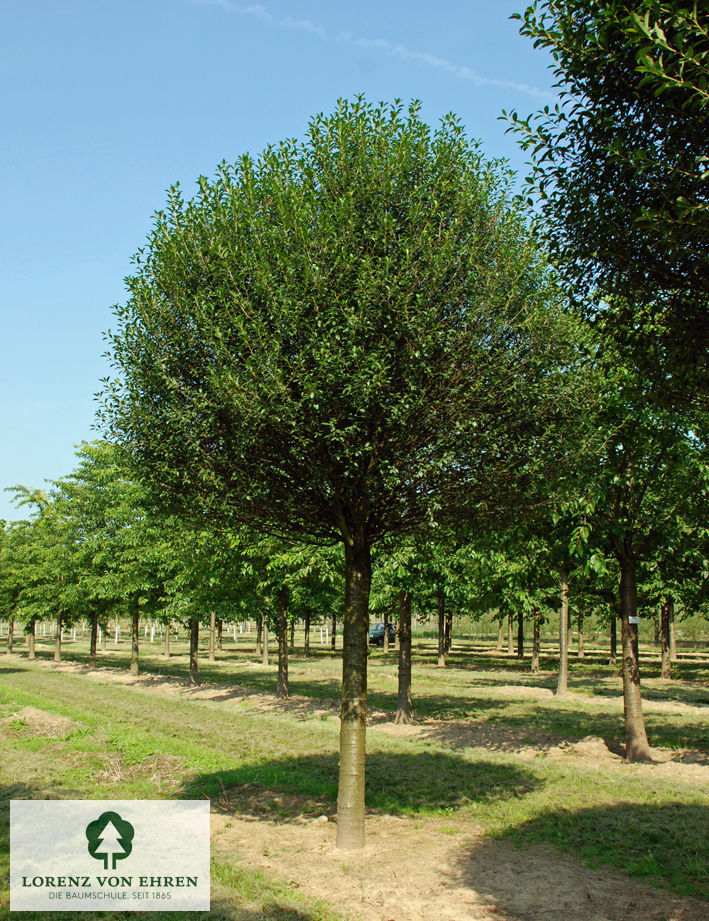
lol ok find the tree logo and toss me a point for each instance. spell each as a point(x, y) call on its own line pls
point(110, 839)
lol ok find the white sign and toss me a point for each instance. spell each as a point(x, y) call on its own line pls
point(100, 855)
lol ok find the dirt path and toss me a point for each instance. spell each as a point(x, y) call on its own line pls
point(439, 869)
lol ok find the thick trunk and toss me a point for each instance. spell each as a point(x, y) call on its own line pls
point(194, 650)
point(166, 652)
point(562, 686)
point(264, 642)
point(306, 627)
point(94, 637)
point(212, 635)
point(353, 712)
point(449, 628)
point(259, 635)
point(535, 643)
point(58, 640)
point(636, 744)
point(614, 640)
point(31, 638)
point(404, 707)
point(385, 646)
point(282, 688)
point(500, 637)
point(134, 650)
point(665, 610)
point(580, 651)
point(333, 634)
point(510, 635)
point(441, 603)
point(520, 635)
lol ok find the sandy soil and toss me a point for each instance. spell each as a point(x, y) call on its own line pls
point(416, 870)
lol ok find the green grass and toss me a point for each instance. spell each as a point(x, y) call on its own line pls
point(134, 741)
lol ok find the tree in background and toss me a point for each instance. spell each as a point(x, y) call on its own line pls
point(620, 170)
point(338, 341)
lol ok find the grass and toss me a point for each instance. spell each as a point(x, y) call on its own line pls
point(133, 741)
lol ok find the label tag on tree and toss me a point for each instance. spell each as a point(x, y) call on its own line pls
point(118, 855)
point(633, 620)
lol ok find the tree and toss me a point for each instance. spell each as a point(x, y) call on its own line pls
point(620, 171)
point(338, 341)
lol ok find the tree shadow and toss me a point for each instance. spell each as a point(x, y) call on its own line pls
point(396, 783)
point(666, 845)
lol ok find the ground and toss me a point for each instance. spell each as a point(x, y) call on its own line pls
point(469, 809)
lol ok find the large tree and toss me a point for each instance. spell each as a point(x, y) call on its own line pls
point(337, 341)
point(621, 169)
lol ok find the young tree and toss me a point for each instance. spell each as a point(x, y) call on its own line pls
point(338, 341)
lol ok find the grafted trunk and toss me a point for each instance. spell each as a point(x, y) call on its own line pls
point(536, 623)
point(58, 639)
point(353, 712)
point(636, 743)
point(449, 628)
point(665, 614)
point(614, 640)
point(562, 687)
point(306, 627)
point(579, 623)
point(264, 640)
point(212, 635)
point(385, 645)
point(93, 639)
point(134, 649)
point(10, 634)
point(404, 706)
point(510, 635)
point(520, 635)
point(282, 688)
point(194, 650)
point(333, 634)
point(441, 605)
point(31, 630)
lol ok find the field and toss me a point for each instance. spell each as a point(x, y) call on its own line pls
point(501, 801)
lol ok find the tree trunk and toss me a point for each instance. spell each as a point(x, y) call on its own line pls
point(282, 687)
point(656, 627)
point(614, 640)
point(520, 635)
point(259, 635)
point(306, 627)
point(134, 650)
point(636, 744)
point(385, 644)
point(58, 640)
point(353, 712)
point(510, 635)
point(264, 642)
point(562, 687)
point(449, 628)
point(665, 635)
point(441, 608)
point(220, 630)
point(333, 635)
point(10, 634)
point(292, 635)
point(404, 707)
point(166, 653)
point(212, 635)
point(673, 638)
point(580, 651)
point(31, 628)
point(500, 637)
point(535, 643)
point(94, 637)
point(194, 650)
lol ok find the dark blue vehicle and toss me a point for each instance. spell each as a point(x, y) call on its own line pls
point(376, 634)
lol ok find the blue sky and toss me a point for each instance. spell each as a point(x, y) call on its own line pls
point(106, 103)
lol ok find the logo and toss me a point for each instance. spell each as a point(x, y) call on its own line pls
point(110, 839)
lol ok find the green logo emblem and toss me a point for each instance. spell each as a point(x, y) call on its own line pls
point(110, 839)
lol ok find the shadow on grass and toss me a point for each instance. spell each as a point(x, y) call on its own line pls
point(423, 782)
point(665, 844)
